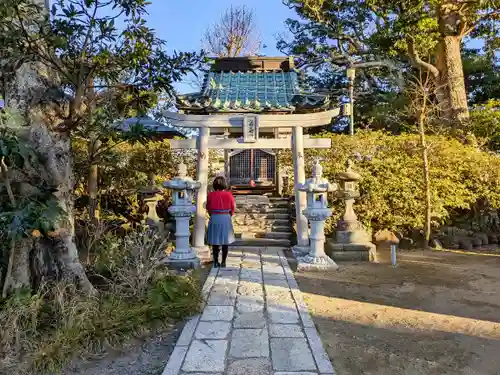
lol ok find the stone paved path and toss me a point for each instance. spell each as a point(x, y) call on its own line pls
point(255, 322)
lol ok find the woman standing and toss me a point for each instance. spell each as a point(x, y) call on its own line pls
point(220, 206)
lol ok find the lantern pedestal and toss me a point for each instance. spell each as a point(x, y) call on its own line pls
point(353, 242)
point(317, 212)
point(316, 259)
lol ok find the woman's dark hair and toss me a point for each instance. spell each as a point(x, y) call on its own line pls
point(220, 183)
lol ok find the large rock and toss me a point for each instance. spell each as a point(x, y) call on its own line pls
point(465, 243)
point(476, 241)
point(483, 237)
point(383, 240)
point(385, 236)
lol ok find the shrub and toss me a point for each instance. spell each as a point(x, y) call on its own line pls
point(392, 194)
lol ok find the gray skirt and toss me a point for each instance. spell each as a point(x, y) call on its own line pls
point(220, 229)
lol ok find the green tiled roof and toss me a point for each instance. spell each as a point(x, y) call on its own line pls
point(254, 91)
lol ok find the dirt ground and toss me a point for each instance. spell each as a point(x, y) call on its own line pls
point(437, 313)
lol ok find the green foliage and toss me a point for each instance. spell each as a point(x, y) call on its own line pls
point(485, 124)
point(123, 169)
point(392, 193)
point(482, 76)
point(374, 36)
point(93, 57)
point(21, 216)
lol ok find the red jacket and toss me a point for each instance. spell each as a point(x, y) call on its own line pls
point(220, 200)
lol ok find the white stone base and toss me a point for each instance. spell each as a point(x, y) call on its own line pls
point(299, 251)
point(183, 263)
point(309, 263)
point(204, 253)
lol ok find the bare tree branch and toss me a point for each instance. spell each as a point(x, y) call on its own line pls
point(233, 35)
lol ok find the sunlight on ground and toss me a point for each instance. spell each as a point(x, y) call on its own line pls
point(395, 318)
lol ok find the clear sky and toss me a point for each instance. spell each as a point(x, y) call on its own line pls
point(182, 22)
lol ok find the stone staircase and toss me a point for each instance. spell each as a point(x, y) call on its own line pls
point(261, 221)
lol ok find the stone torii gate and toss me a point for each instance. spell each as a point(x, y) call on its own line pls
point(255, 103)
point(248, 125)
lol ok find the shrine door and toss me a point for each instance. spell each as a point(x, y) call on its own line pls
point(257, 165)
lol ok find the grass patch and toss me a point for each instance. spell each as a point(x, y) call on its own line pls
point(41, 332)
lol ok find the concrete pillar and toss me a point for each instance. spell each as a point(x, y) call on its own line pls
point(201, 197)
point(299, 176)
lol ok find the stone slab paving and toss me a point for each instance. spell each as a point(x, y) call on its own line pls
point(254, 322)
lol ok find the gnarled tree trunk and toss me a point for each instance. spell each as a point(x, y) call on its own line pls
point(29, 94)
point(452, 78)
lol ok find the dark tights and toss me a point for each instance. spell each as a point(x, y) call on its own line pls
point(216, 249)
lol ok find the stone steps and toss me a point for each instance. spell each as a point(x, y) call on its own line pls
point(261, 242)
point(261, 210)
point(262, 222)
point(266, 205)
point(261, 216)
point(264, 228)
point(264, 235)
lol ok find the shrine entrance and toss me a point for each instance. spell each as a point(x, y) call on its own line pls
point(247, 108)
point(252, 165)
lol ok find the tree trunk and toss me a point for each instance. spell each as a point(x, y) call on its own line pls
point(427, 188)
point(453, 77)
point(93, 194)
point(29, 96)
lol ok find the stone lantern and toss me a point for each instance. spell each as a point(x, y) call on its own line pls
point(151, 195)
point(353, 242)
point(317, 211)
point(182, 209)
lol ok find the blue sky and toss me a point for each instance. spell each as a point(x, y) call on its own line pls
point(182, 23)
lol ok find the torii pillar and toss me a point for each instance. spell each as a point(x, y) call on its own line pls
point(199, 245)
point(299, 177)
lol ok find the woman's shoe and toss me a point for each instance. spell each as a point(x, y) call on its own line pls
point(216, 265)
point(223, 265)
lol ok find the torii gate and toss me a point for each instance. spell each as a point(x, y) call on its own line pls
point(248, 125)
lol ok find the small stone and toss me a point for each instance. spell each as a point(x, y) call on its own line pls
point(285, 330)
point(206, 356)
point(250, 366)
point(212, 330)
point(214, 313)
point(385, 236)
point(247, 343)
point(289, 354)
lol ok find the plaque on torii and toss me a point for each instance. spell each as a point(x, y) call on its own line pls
point(250, 129)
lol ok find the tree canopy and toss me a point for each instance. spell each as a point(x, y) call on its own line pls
point(393, 36)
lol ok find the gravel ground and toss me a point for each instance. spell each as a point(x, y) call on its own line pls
point(147, 357)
